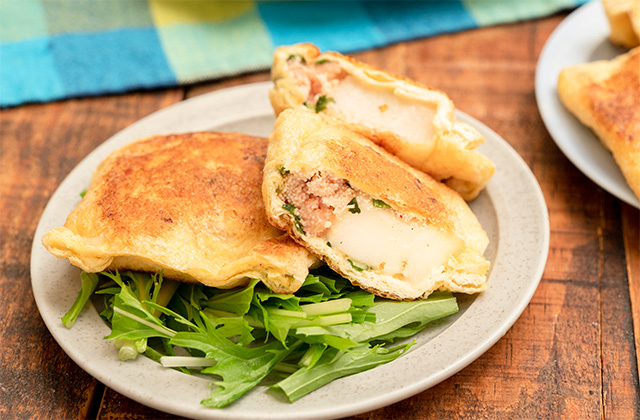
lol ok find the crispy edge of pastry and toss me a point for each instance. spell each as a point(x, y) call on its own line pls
point(274, 257)
point(605, 96)
point(326, 147)
point(451, 157)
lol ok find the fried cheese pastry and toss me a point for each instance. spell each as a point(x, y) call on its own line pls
point(412, 121)
point(624, 21)
point(189, 204)
point(605, 96)
point(385, 226)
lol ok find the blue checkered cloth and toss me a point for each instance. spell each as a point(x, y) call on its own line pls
point(56, 49)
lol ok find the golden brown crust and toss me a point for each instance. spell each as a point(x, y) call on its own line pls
point(306, 143)
point(190, 204)
point(605, 96)
point(449, 156)
point(624, 21)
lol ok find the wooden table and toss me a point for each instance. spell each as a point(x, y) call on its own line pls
point(572, 354)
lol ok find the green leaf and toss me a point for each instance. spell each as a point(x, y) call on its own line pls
point(393, 319)
point(247, 332)
point(234, 326)
point(360, 298)
point(89, 282)
point(133, 320)
point(333, 365)
point(241, 368)
point(236, 301)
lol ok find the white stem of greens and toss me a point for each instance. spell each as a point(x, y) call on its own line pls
point(158, 328)
point(324, 320)
point(328, 307)
point(186, 361)
point(293, 314)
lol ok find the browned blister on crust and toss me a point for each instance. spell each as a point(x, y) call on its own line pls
point(384, 225)
point(412, 121)
point(605, 96)
point(188, 204)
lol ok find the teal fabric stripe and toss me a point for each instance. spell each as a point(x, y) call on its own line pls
point(28, 73)
point(111, 61)
point(492, 12)
point(401, 20)
point(339, 26)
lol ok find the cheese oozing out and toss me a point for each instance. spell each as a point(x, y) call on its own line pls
point(379, 109)
point(371, 237)
point(380, 239)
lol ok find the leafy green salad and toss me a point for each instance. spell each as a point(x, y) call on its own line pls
point(327, 330)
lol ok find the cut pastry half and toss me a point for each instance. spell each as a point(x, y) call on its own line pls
point(188, 204)
point(385, 226)
point(412, 121)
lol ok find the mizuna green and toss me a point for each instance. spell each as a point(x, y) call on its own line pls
point(327, 330)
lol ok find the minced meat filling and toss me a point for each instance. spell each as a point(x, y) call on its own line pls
point(317, 200)
point(315, 80)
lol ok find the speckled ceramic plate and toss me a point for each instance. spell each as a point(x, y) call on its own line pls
point(511, 209)
point(581, 38)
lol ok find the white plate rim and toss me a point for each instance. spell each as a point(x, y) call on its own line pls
point(520, 254)
point(580, 36)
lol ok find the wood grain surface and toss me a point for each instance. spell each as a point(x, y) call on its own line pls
point(573, 354)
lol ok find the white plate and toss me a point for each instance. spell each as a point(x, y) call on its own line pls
point(511, 209)
point(582, 37)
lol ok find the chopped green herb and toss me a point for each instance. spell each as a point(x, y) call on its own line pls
point(298, 56)
point(322, 61)
point(353, 206)
point(284, 171)
point(83, 193)
point(296, 219)
point(298, 225)
point(329, 244)
point(322, 103)
point(358, 266)
point(380, 204)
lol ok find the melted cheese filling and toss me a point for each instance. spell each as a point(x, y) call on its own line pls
point(378, 108)
point(379, 239)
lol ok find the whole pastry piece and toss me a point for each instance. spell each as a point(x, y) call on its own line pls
point(387, 227)
point(188, 204)
point(412, 121)
point(605, 96)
